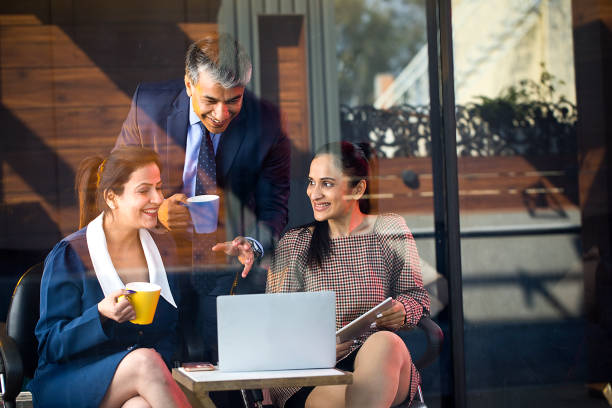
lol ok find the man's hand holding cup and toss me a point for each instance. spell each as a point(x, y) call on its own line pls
point(173, 213)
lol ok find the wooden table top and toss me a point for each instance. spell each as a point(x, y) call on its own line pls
point(204, 381)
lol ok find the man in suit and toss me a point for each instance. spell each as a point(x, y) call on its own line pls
point(210, 116)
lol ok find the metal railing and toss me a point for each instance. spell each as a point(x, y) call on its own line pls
point(490, 128)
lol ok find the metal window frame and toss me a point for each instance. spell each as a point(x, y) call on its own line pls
point(445, 182)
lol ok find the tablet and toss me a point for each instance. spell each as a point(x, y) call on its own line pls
point(362, 324)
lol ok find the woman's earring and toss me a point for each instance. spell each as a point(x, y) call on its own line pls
point(111, 206)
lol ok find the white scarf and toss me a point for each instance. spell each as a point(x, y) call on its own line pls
point(103, 265)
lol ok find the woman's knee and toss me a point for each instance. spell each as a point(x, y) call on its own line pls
point(147, 363)
point(387, 346)
point(383, 365)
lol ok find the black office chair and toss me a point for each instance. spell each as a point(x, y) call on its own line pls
point(18, 344)
point(435, 338)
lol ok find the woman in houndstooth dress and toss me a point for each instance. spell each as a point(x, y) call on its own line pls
point(364, 259)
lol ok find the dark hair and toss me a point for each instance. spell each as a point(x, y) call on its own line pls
point(97, 175)
point(353, 161)
point(222, 57)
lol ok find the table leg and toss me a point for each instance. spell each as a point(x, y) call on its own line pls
point(200, 400)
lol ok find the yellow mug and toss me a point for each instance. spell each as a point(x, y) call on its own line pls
point(144, 300)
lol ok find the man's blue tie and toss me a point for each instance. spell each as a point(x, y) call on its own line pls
point(206, 183)
point(206, 172)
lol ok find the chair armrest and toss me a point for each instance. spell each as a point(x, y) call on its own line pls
point(11, 366)
point(435, 338)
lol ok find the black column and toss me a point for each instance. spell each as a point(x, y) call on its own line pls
point(592, 24)
point(444, 166)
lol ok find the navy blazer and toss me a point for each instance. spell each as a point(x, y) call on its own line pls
point(78, 352)
point(253, 157)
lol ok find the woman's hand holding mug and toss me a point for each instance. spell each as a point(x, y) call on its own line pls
point(114, 308)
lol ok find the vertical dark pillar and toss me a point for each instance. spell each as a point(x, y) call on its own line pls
point(283, 61)
point(592, 21)
point(444, 167)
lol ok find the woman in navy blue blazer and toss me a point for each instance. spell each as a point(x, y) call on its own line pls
point(90, 355)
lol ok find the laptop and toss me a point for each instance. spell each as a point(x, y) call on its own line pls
point(279, 331)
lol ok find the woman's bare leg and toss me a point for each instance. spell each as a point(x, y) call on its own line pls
point(136, 402)
point(381, 378)
point(143, 373)
point(330, 396)
point(383, 367)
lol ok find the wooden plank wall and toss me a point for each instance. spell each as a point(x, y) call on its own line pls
point(67, 73)
point(68, 70)
point(542, 186)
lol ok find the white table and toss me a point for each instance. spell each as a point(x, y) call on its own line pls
point(197, 384)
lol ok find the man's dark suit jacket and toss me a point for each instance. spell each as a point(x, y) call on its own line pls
point(253, 161)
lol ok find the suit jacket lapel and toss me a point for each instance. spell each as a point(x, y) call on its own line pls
point(176, 130)
point(230, 143)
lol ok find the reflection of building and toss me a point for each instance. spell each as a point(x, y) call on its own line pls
point(69, 71)
point(69, 68)
point(518, 38)
point(295, 68)
point(294, 64)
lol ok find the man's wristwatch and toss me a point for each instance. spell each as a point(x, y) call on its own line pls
point(256, 248)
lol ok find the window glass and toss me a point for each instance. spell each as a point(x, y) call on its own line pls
point(521, 246)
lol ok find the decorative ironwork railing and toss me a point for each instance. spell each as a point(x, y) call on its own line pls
point(492, 128)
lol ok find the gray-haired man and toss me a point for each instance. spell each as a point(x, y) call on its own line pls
point(210, 110)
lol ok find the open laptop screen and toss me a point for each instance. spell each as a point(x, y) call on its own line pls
point(277, 331)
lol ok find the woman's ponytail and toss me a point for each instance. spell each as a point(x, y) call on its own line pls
point(85, 186)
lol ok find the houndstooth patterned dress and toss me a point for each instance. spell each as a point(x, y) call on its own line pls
point(363, 270)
